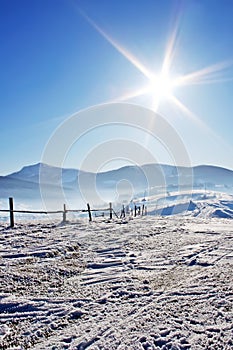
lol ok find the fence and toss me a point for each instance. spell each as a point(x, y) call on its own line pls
point(138, 210)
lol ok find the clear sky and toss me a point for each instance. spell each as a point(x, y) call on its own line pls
point(61, 56)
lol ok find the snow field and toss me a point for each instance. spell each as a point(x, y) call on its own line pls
point(143, 283)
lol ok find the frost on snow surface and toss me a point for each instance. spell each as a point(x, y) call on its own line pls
point(146, 283)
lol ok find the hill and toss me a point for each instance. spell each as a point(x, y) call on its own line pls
point(120, 184)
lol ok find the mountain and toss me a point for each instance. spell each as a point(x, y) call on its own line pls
point(213, 175)
point(155, 175)
point(30, 180)
point(50, 174)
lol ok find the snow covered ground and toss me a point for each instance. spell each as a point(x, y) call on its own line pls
point(197, 203)
point(144, 283)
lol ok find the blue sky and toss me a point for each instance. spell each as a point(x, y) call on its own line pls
point(61, 56)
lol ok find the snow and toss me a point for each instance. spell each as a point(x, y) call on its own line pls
point(198, 203)
point(149, 282)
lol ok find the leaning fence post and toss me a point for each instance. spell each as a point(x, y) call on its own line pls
point(89, 211)
point(64, 213)
point(110, 209)
point(143, 209)
point(11, 205)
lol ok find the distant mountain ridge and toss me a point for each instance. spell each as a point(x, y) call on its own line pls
point(26, 182)
point(32, 173)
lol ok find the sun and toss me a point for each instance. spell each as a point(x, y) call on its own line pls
point(161, 86)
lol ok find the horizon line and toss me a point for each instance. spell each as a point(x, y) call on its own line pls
point(116, 169)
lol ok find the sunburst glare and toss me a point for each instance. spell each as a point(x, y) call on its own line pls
point(162, 86)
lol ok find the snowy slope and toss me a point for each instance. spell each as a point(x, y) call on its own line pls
point(144, 283)
point(196, 203)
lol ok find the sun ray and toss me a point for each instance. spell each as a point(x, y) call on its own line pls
point(194, 118)
point(171, 47)
point(204, 75)
point(161, 85)
point(128, 55)
point(132, 94)
point(209, 81)
point(155, 105)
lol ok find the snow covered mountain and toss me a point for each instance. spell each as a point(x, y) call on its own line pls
point(51, 174)
point(26, 182)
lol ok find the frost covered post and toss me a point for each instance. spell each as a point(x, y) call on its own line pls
point(123, 212)
point(110, 209)
point(89, 211)
point(143, 209)
point(139, 210)
point(11, 206)
point(64, 213)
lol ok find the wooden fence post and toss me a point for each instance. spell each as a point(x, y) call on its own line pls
point(139, 210)
point(89, 211)
point(143, 209)
point(110, 209)
point(135, 210)
point(64, 213)
point(11, 205)
point(123, 212)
